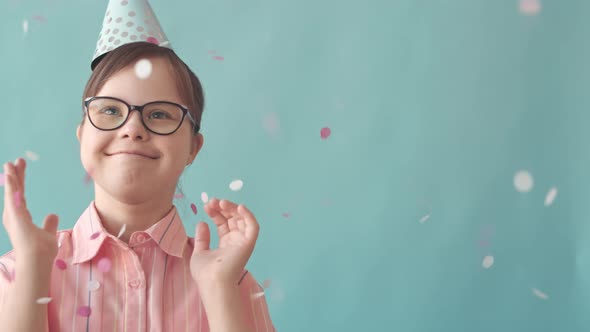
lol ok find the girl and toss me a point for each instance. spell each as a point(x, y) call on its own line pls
point(128, 265)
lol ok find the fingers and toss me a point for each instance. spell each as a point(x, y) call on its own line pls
point(251, 224)
point(50, 223)
point(20, 165)
point(219, 220)
point(202, 237)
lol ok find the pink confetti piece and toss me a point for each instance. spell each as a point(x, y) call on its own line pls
point(84, 311)
point(286, 214)
point(40, 18)
point(266, 283)
point(484, 243)
point(153, 40)
point(179, 196)
point(194, 208)
point(61, 264)
point(218, 58)
point(325, 132)
point(17, 198)
point(2, 181)
point(94, 236)
point(87, 178)
point(530, 7)
point(104, 265)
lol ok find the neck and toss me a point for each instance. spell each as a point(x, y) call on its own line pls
point(136, 216)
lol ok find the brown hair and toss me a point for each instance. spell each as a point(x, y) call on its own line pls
point(187, 83)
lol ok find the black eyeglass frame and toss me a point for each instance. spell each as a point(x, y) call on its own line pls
point(140, 108)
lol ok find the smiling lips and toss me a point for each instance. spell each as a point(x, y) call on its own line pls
point(137, 153)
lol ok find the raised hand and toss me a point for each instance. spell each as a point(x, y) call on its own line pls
point(32, 245)
point(237, 229)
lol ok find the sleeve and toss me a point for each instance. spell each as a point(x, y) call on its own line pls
point(6, 274)
point(255, 305)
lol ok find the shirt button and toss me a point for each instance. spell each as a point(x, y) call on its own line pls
point(135, 284)
point(141, 238)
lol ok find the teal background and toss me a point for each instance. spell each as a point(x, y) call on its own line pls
point(433, 106)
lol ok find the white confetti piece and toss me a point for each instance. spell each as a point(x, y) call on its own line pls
point(43, 300)
point(143, 69)
point(257, 295)
point(488, 261)
point(540, 294)
point(550, 196)
point(523, 181)
point(425, 218)
point(93, 285)
point(32, 155)
point(122, 231)
point(236, 185)
point(26, 26)
point(204, 197)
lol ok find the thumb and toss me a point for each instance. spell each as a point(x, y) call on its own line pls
point(50, 223)
point(202, 237)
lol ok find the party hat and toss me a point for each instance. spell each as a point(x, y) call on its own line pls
point(128, 21)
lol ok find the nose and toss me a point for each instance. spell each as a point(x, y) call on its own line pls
point(134, 127)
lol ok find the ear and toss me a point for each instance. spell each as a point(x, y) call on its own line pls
point(196, 145)
point(78, 130)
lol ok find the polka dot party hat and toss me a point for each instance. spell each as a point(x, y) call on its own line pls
point(128, 21)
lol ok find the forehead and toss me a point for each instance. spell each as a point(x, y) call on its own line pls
point(159, 85)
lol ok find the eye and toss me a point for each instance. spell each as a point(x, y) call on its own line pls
point(109, 110)
point(157, 114)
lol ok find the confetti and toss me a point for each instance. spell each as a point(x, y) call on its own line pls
point(40, 18)
point(43, 300)
point(266, 283)
point(425, 218)
point(212, 51)
point(257, 295)
point(32, 155)
point(84, 311)
point(550, 196)
point(286, 214)
point(61, 264)
point(530, 7)
point(271, 123)
point(104, 265)
point(484, 243)
point(17, 199)
point(523, 181)
point(179, 196)
point(325, 132)
point(540, 294)
point(204, 197)
point(26, 26)
point(2, 179)
point(143, 69)
point(122, 231)
point(153, 40)
point(194, 208)
point(218, 58)
point(488, 261)
point(87, 178)
point(236, 185)
point(94, 236)
point(93, 285)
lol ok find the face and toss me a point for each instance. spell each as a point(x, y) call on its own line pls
point(133, 178)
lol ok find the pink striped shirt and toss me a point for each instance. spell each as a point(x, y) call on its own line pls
point(100, 283)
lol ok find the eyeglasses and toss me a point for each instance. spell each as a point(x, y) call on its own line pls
point(159, 117)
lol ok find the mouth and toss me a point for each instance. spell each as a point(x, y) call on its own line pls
point(131, 154)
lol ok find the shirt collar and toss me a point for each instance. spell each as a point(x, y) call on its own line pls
point(89, 234)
